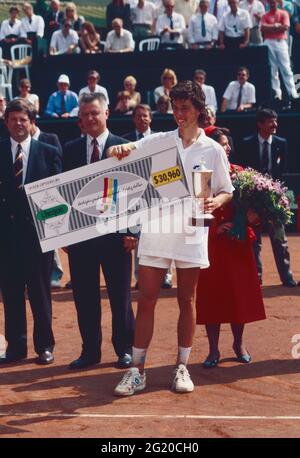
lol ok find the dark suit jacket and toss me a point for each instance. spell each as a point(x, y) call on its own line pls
point(15, 216)
point(131, 136)
point(50, 139)
point(249, 155)
point(50, 29)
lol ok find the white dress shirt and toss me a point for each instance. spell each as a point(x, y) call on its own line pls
point(234, 26)
point(210, 96)
point(261, 142)
point(6, 29)
point(231, 94)
point(145, 134)
point(222, 8)
point(187, 8)
point(37, 25)
point(25, 144)
point(98, 90)
point(118, 43)
point(145, 15)
point(195, 28)
point(61, 43)
point(256, 7)
point(101, 140)
point(36, 135)
point(164, 20)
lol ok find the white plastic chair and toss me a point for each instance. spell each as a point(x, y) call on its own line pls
point(149, 44)
point(18, 52)
point(5, 85)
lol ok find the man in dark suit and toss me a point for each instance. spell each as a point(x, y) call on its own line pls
point(142, 118)
point(112, 251)
point(50, 139)
point(24, 160)
point(53, 19)
point(267, 153)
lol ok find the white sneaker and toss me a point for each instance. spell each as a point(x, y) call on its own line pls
point(182, 382)
point(131, 382)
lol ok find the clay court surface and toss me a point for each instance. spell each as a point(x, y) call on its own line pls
point(261, 399)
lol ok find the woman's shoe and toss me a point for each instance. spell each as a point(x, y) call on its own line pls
point(246, 358)
point(211, 363)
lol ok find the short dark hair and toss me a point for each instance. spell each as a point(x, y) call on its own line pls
point(19, 105)
point(90, 98)
point(217, 134)
point(265, 113)
point(188, 90)
point(243, 68)
point(14, 8)
point(93, 73)
point(141, 106)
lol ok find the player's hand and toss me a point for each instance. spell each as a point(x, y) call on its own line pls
point(120, 151)
point(129, 243)
point(223, 228)
point(210, 205)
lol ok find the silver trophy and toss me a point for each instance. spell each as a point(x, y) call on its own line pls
point(202, 190)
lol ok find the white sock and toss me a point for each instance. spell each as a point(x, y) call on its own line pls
point(138, 356)
point(183, 355)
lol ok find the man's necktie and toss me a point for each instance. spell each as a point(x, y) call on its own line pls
point(11, 23)
point(215, 11)
point(30, 20)
point(265, 158)
point(140, 136)
point(96, 153)
point(18, 167)
point(203, 27)
point(172, 35)
point(239, 99)
point(63, 104)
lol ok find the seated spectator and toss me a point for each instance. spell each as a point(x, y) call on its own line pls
point(119, 39)
point(163, 105)
point(64, 41)
point(203, 28)
point(93, 79)
point(2, 105)
point(142, 117)
point(240, 94)
point(24, 88)
point(122, 106)
point(170, 27)
point(54, 19)
point(118, 9)
point(62, 102)
point(143, 17)
point(168, 80)
point(235, 27)
point(256, 11)
point(32, 26)
point(209, 92)
point(218, 8)
point(72, 15)
point(89, 39)
point(11, 28)
point(129, 86)
point(41, 8)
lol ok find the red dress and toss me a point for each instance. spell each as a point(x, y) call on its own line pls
point(229, 291)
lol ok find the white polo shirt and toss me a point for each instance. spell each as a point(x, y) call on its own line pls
point(145, 15)
point(7, 29)
point(37, 25)
point(234, 26)
point(98, 90)
point(195, 28)
point(256, 7)
point(191, 246)
point(231, 94)
point(118, 43)
point(61, 43)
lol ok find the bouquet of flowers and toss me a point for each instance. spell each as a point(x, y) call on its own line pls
point(258, 200)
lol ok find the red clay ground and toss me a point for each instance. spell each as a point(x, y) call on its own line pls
point(54, 402)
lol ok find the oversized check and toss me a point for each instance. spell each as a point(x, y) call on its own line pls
point(105, 196)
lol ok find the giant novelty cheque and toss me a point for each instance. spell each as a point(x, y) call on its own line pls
point(106, 196)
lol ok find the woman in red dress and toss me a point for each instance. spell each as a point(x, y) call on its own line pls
point(229, 290)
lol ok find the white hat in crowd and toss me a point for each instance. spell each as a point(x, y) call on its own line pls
point(64, 79)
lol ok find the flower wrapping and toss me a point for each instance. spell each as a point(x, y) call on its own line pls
point(260, 194)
